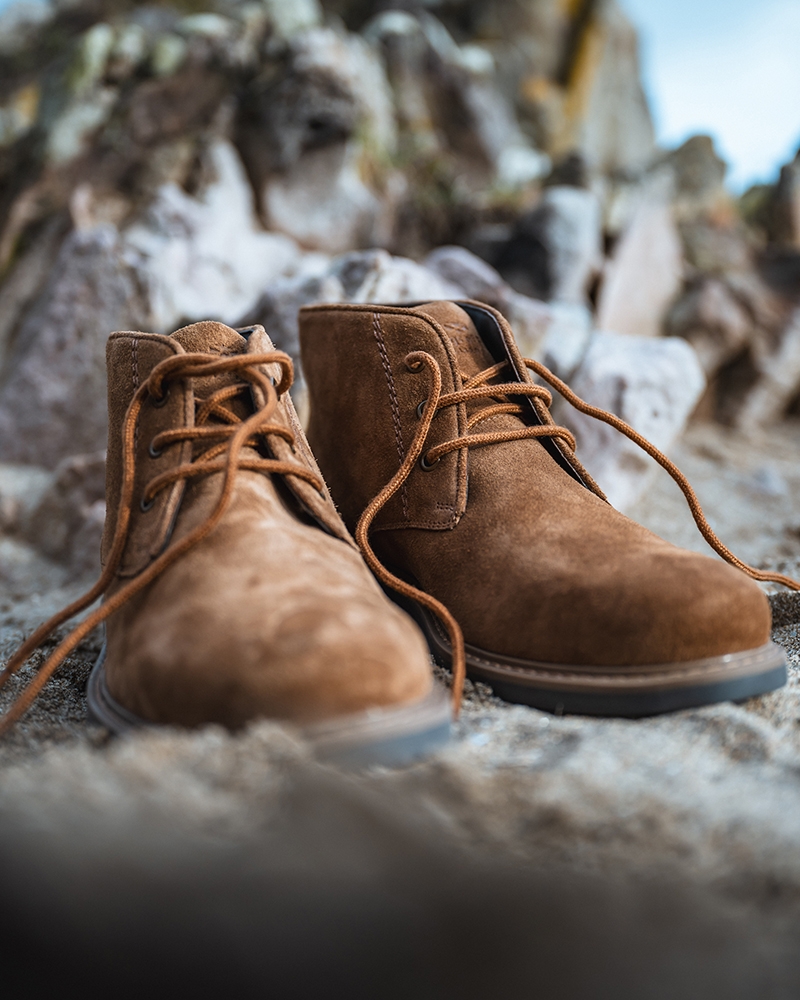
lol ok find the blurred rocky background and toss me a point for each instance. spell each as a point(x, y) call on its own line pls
point(164, 163)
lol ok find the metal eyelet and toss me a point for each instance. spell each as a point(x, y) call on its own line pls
point(145, 505)
point(425, 465)
point(153, 452)
point(421, 408)
point(158, 403)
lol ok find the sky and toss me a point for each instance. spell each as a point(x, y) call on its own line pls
point(730, 68)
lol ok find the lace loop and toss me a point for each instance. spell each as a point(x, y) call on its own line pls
point(225, 457)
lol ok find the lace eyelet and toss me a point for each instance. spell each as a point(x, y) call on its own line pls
point(425, 465)
point(145, 505)
point(158, 402)
point(154, 452)
point(421, 408)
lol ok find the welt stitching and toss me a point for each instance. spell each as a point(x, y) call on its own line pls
point(135, 373)
point(398, 434)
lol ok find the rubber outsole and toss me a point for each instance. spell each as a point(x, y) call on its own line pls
point(388, 737)
point(626, 692)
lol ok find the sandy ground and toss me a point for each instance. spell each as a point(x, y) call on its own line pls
point(705, 800)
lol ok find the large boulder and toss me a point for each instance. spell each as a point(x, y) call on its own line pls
point(447, 98)
point(53, 386)
point(569, 334)
point(308, 134)
point(653, 385)
point(785, 220)
point(777, 367)
point(67, 523)
point(644, 274)
point(555, 250)
point(206, 257)
point(714, 320)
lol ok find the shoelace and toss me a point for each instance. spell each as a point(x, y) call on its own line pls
point(228, 436)
point(478, 388)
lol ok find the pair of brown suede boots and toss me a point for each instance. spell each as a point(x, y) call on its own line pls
point(233, 589)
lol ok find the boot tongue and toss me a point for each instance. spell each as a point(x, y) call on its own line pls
point(471, 352)
point(210, 337)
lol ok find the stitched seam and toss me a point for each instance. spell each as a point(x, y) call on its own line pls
point(398, 434)
point(135, 373)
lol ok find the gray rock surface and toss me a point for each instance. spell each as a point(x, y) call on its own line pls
point(206, 257)
point(777, 364)
point(644, 273)
point(555, 250)
point(714, 322)
point(653, 384)
point(52, 387)
point(66, 524)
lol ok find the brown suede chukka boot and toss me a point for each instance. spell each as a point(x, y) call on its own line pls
point(469, 504)
point(232, 589)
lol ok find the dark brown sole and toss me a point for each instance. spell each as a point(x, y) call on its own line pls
point(387, 737)
point(628, 692)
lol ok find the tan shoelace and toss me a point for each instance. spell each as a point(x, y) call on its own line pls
point(230, 435)
point(477, 388)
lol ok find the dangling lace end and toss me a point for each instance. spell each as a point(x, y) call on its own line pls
point(458, 662)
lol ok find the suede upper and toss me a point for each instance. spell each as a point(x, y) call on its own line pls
point(512, 537)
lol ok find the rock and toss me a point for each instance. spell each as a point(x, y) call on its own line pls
point(447, 98)
point(67, 523)
point(53, 385)
point(644, 273)
point(169, 54)
point(18, 114)
point(606, 116)
point(478, 279)
point(651, 383)
point(287, 19)
point(388, 279)
point(777, 366)
point(21, 489)
point(785, 215)
point(206, 257)
point(714, 321)
point(555, 250)
point(716, 244)
point(307, 136)
point(530, 320)
point(567, 340)
point(699, 175)
point(25, 280)
point(70, 136)
point(323, 203)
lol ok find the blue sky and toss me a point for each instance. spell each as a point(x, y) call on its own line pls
point(727, 67)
